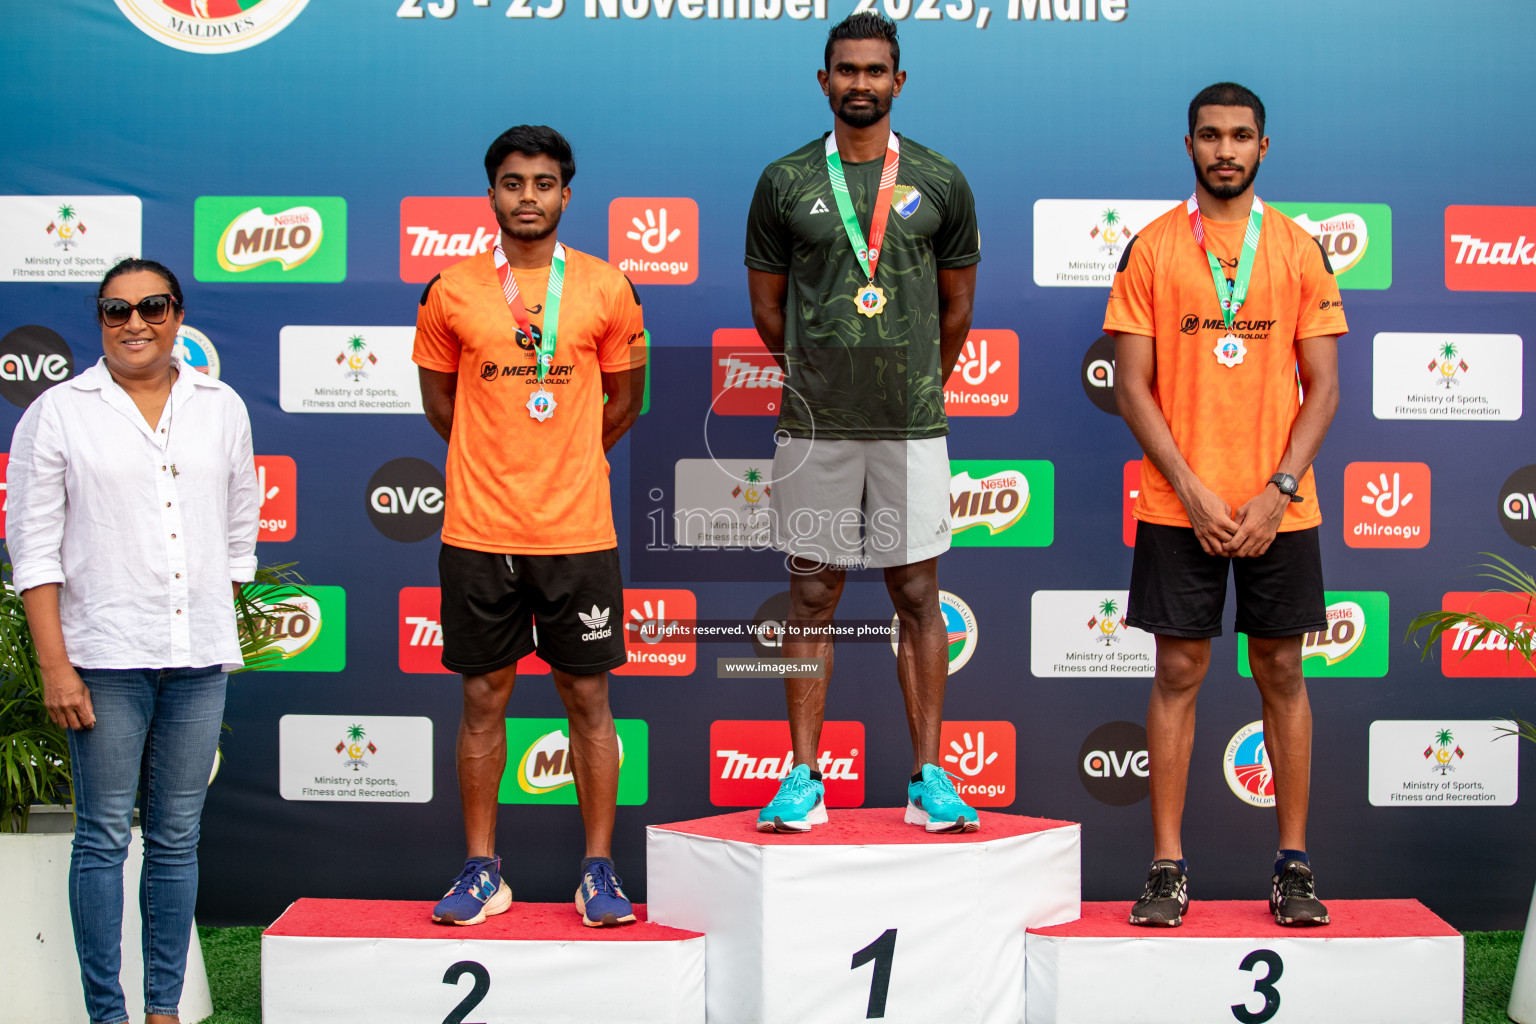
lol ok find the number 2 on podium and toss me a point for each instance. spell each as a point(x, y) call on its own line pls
point(482, 986)
point(881, 951)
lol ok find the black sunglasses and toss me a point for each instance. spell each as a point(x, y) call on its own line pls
point(153, 309)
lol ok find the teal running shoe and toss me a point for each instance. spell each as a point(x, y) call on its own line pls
point(934, 804)
point(797, 806)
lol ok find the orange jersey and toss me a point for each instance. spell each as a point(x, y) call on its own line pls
point(1231, 423)
point(515, 485)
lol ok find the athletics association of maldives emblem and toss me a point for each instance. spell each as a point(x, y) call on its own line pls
point(211, 26)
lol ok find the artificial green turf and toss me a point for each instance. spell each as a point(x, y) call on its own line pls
point(233, 957)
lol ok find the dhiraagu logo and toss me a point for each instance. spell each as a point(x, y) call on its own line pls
point(539, 762)
point(1353, 645)
point(998, 503)
point(267, 239)
point(1356, 236)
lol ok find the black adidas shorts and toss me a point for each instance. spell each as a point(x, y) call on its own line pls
point(490, 602)
point(1179, 590)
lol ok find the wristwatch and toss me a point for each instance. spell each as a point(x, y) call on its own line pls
point(1287, 485)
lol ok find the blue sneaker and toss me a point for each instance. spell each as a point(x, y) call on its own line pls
point(797, 805)
point(600, 899)
point(934, 804)
point(476, 894)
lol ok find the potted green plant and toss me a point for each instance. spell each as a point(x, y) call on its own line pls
point(1517, 639)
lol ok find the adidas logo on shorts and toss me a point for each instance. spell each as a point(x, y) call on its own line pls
point(596, 622)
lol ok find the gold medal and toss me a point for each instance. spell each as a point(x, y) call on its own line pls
point(870, 300)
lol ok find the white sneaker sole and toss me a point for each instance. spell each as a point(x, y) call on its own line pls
point(815, 816)
point(497, 904)
point(608, 919)
point(917, 816)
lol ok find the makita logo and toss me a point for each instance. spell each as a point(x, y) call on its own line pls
point(739, 373)
point(749, 758)
point(427, 242)
point(735, 764)
point(596, 622)
point(1508, 254)
point(425, 632)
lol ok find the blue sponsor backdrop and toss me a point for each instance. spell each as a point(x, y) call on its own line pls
point(1418, 106)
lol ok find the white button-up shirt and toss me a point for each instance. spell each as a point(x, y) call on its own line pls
point(145, 528)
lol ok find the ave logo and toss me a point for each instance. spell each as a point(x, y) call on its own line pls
point(32, 360)
point(405, 500)
point(1517, 506)
point(277, 477)
point(654, 241)
point(981, 758)
point(1386, 504)
point(749, 758)
point(439, 231)
point(1112, 764)
point(420, 628)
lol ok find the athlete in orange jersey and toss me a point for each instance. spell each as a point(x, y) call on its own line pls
point(517, 348)
point(1218, 307)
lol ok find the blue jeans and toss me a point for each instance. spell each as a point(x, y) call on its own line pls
point(156, 734)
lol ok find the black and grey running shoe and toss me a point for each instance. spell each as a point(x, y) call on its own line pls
point(1293, 898)
point(1166, 898)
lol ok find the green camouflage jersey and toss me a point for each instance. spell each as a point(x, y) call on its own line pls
point(850, 376)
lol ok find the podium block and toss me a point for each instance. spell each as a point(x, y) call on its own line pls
point(864, 917)
point(1389, 961)
point(385, 962)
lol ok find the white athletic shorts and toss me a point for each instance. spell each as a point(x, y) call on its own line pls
point(861, 504)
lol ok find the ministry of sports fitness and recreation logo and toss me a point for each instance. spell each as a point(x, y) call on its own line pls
point(1357, 238)
point(1079, 243)
point(1107, 624)
point(959, 625)
point(1443, 753)
point(750, 757)
point(1002, 503)
point(1246, 766)
point(347, 369)
point(1084, 632)
point(1442, 763)
point(981, 758)
point(1435, 376)
point(1099, 375)
point(539, 767)
point(439, 231)
point(32, 360)
point(1490, 248)
point(1353, 644)
point(67, 238)
point(405, 499)
point(1112, 764)
point(1517, 505)
point(354, 746)
point(211, 26)
point(289, 239)
point(355, 758)
point(1386, 504)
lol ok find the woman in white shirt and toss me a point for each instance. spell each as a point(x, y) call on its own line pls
point(133, 511)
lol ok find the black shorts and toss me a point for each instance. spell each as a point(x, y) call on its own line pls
point(490, 602)
point(1179, 590)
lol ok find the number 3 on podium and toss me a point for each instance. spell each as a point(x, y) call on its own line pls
point(1264, 986)
point(881, 951)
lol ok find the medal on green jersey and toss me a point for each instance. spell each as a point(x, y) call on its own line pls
point(541, 404)
point(1230, 350)
point(870, 299)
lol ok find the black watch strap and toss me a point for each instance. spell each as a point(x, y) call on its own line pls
point(1287, 485)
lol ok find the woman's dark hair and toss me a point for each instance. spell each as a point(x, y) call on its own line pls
point(132, 264)
point(531, 140)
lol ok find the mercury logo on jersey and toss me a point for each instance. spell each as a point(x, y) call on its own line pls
point(749, 758)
